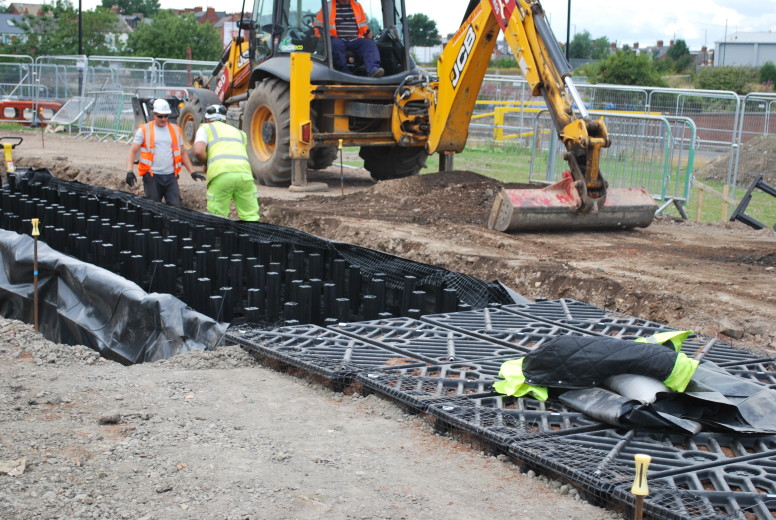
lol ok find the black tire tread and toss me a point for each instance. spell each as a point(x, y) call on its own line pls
point(393, 162)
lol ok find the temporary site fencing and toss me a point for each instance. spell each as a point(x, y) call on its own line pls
point(92, 95)
point(661, 138)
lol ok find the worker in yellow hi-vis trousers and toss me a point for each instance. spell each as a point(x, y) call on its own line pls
point(223, 149)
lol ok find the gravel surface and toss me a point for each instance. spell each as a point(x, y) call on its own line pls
point(215, 435)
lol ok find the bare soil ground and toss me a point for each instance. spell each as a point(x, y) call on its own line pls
point(234, 440)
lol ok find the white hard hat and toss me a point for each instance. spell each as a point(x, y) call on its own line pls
point(215, 113)
point(161, 107)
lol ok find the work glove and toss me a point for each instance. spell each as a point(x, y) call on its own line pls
point(198, 176)
point(130, 180)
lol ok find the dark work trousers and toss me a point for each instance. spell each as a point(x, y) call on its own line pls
point(161, 187)
point(364, 47)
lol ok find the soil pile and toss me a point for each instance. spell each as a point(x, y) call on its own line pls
point(758, 155)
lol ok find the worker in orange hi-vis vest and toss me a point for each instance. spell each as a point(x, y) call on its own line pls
point(161, 157)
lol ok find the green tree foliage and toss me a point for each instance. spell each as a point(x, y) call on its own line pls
point(147, 8)
point(168, 36)
point(583, 46)
point(600, 48)
point(423, 30)
point(56, 33)
point(625, 68)
point(678, 50)
point(679, 57)
point(768, 73)
point(736, 79)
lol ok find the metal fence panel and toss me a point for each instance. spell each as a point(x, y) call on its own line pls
point(110, 116)
point(652, 152)
point(614, 98)
point(62, 76)
point(715, 112)
point(181, 73)
point(121, 73)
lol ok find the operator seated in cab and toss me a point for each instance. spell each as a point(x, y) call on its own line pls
point(350, 32)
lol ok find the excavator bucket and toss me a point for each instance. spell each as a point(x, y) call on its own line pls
point(558, 207)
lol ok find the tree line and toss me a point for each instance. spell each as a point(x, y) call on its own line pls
point(162, 34)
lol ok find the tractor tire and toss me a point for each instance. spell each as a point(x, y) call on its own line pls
point(192, 115)
point(266, 121)
point(393, 162)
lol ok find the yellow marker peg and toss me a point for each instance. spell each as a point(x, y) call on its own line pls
point(640, 482)
point(640, 488)
point(9, 167)
point(35, 231)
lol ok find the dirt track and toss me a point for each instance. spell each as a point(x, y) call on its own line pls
point(711, 278)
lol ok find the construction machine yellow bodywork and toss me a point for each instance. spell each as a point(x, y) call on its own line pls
point(436, 114)
point(298, 110)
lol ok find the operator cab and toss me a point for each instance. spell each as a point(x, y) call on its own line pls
point(281, 27)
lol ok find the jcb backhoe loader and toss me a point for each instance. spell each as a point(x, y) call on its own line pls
point(280, 86)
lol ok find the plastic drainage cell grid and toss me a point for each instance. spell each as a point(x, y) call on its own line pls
point(418, 391)
point(507, 328)
point(589, 469)
point(504, 419)
point(483, 320)
point(427, 341)
point(670, 452)
point(619, 327)
point(763, 372)
point(480, 369)
point(563, 309)
point(671, 503)
point(676, 504)
point(756, 475)
point(319, 346)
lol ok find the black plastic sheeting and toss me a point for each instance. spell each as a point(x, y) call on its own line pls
point(83, 304)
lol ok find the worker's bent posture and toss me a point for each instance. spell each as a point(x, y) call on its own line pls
point(223, 149)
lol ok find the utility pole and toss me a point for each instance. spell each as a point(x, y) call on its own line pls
point(80, 29)
point(724, 46)
point(568, 30)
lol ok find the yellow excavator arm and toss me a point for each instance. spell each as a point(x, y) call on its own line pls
point(578, 199)
point(462, 66)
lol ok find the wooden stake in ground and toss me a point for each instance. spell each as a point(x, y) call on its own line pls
point(35, 234)
point(342, 174)
point(640, 488)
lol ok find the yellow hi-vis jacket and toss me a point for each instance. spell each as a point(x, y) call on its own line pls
point(226, 150)
point(147, 149)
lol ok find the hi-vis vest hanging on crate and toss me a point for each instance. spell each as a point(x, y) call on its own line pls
point(147, 149)
point(226, 150)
